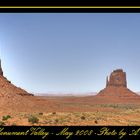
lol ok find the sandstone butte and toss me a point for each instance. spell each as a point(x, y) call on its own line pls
point(116, 86)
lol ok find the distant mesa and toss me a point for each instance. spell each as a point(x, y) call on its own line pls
point(116, 86)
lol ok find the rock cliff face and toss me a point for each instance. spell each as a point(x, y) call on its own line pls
point(1, 71)
point(117, 79)
point(116, 86)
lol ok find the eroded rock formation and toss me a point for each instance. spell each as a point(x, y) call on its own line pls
point(1, 71)
point(117, 79)
point(116, 86)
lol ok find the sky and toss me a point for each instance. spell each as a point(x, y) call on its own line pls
point(69, 52)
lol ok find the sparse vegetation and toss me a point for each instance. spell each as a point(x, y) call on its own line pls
point(4, 118)
point(56, 120)
point(96, 121)
point(119, 106)
point(33, 119)
point(122, 117)
point(83, 117)
point(40, 113)
point(53, 113)
point(2, 123)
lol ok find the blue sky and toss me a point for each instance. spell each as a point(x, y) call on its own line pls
point(69, 52)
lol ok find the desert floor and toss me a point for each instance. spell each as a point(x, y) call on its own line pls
point(88, 110)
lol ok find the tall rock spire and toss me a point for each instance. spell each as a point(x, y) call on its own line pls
point(106, 81)
point(1, 71)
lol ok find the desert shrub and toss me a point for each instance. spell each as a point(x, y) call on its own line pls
point(33, 119)
point(2, 123)
point(96, 121)
point(56, 120)
point(40, 113)
point(83, 117)
point(53, 113)
point(4, 118)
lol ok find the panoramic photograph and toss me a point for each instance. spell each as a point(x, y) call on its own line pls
point(69, 69)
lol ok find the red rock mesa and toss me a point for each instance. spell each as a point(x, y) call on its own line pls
point(116, 86)
point(117, 79)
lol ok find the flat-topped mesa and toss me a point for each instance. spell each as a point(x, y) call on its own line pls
point(117, 78)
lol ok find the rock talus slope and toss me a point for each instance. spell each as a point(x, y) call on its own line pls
point(13, 98)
